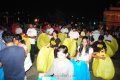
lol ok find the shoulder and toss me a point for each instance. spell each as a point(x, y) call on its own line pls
point(90, 49)
point(58, 39)
point(17, 48)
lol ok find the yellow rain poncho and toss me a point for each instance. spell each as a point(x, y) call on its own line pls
point(45, 59)
point(71, 44)
point(103, 68)
point(110, 51)
point(112, 47)
point(62, 36)
point(27, 42)
point(79, 41)
point(43, 40)
point(114, 44)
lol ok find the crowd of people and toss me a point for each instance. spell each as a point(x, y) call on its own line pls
point(19, 46)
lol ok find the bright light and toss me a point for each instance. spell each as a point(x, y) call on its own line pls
point(35, 20)
point(94, 23)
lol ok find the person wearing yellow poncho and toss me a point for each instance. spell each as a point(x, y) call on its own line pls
point(55, 42)
point(43, 40)
point(111, 42)
point(102, 64)
point(62, 36)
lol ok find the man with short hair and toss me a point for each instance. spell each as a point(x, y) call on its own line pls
point(12, 58)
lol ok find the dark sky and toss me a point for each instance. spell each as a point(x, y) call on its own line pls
point(87, 8)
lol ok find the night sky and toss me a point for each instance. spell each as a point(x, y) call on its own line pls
point(88, 8)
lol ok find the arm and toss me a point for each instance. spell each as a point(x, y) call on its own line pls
point(90, 54)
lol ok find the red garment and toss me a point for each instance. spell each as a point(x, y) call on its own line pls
point(56, 28)
point(13, 28)
point(44, 28)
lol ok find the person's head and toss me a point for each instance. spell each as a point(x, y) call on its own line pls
point(82, 34)
point(55, 33)
point(88, 32)
point(84, 41)
point(91, 40)
point(100, 38)
point(48, 26)
point(84, 44)
point(17, 39)
point(62, 52)
point(7, 37)
point(74, 28)
point(107, 32)
point(30, 25)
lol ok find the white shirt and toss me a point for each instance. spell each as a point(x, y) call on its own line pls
point(50, 31)
point(96, 35)
point(64, 30)
point(18, 30)
point(32, 32)
point(109, 37)
point(85, 56)
point(73, 34)
point(62, 70)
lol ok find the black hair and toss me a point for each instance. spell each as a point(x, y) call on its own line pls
point(55, 31)
point(87, 46)
point(22, 41)
point(101, 37)
point(19, 38)
point(7, 37)
point(108, 31)
point(62, 48)
point(91, 38)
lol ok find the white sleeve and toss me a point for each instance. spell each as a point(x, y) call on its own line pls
point(27, 32)
point(90, 50)
point(78, 48)
point(78, 35)
point(35, 32)
point(110, 38)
